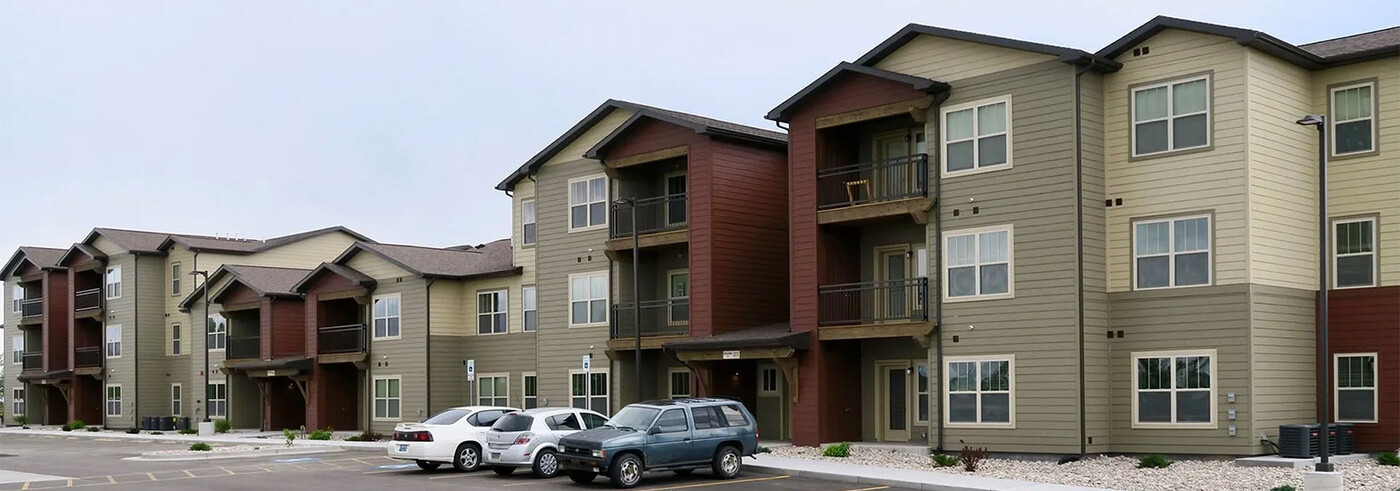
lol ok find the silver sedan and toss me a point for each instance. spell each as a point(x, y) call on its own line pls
point(531, 438)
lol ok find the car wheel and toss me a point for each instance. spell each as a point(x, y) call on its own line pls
point(683, 472)
point(626, 471)
point(727, 462)
point(582, 477)
point(546, 464)
point(503, 471)
point(468, 457)
point(428, 466)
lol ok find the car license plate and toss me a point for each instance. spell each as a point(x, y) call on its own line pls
point(495, 456)
point(403, 448)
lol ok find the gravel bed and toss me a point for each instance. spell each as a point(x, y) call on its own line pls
point(1121, 472)
point(216, 449)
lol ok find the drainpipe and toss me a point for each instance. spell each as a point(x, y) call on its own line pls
point(427, 350)
point(937, 209)
point(135, 341)
point(1079, 244)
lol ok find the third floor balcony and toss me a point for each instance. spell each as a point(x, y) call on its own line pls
point(87, 302)
point(880, 189)
point(87, 357)
point(31, 310)
point(32, 360)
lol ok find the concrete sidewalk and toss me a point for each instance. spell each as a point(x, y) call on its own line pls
point(895, 478)
point(234, 438)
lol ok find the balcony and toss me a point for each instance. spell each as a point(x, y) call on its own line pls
point(32, 360)
point(87, 357)
point(876, 309)
point(659, 319)
point(348, 338)
point(874, 190)
point(31, 310)
point(660, 221)
point(244, 348)
point(88, 302)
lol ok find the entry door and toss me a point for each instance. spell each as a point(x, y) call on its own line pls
point(897, 178)
point(893, 293)
point(675, 199)
point(679, 312)
point(894, 411)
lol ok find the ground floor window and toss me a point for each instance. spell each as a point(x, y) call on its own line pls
point(1355, 380)
point(921, 391)
point(1174, 388)
point(114, 400)
point(680, 383)
point(981, 390)
point(768, 382)
point(493, 390)
point(17, 398)
point(386, 398)
point(176, 399)
point(217, 393)
point(589, 390)
point(532, 390)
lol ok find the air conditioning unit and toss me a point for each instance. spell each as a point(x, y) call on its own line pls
point(1297, 441)
point(1343, 438)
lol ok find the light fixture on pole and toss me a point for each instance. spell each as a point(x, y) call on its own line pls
point(631, 203)
point(205, 284)
point(1324, 372)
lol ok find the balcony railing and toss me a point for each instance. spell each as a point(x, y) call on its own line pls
point(873, 302)
point(247, 347)
point(873, 182)
point(87, 299)
point(658, 318)
point(87, 357)
point(33, 307)
point(32, 360)
point(348, 338)
point(657, 214)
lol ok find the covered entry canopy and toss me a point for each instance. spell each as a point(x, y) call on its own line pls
point(775, 342)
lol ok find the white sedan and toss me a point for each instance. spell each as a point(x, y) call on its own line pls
point(530, 438)
point(454, 436)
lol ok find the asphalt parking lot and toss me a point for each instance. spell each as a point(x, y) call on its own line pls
point(63, 462)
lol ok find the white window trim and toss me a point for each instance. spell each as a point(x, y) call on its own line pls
point(1332, 119)
point(107, 400)
point(1010, 264)
point(670, 387)
point(1337, 387)
point(524, 326)
point(17, 402)
point(107, 282)
point(209, 403)
point(372, 318)
point(1171, 254)
point(483, 376)
point(777, 392)
point(374, 399)
point(17, 297)
point(177, 334)
point(17, 348)
point(1214, 382)
point(928, 391)
point(535, 204)
point(207, 333)
point(504, 307)
point(176, 285)
point(1375, 253)
point(107, 341)
point(1011, 394)
point(670, 274)
point(588, 385)
point(977, 167)
point(569, 213)
point(523, 385)
point(1133, 122)
point(607, 300)
point(177, 404)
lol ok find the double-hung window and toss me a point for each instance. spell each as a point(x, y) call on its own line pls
point(175, 278)
point(17, 396)
point(1353, 119)
point(1171, 116)
point(114, 341)
point(17, 348)
point(493, 390)
point(386, 317)
point(217, 393)
point(16, 297)
point(114, 400)
point(588, 299)
point(1355, 380)
point(114, 282)
point(530, 385)
point(979, 263)
point(1174, 388)
point(177, 398)
point(921, 392)
point(1354, 253)
point(527, 222)
point(588, 203)
point(216, 330)
point(175, 344)
point(680, 383)
point(981, 391)
point(386, 398)
point(529, 316)
point(492, 312)
point(1171, 252)
point(589, 390)
point(977, 136)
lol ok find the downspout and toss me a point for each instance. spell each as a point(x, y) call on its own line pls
point(135, 341)
point(428, 350)
point(937, 208)
point(1079, 245)
point(704, 388)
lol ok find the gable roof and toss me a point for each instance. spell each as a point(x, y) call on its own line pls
point(492, 259)
point(704, 125)
point(700, 124)
point(81, 248)
point(911, 31)
point(134, 241)
point(356, 278)
point(202, 243)
point(262, 280)
point(783, 110)
point(1349, 49)
point(41, 257)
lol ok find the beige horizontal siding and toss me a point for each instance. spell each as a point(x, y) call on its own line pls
point(1282, 175)
point(950, 60)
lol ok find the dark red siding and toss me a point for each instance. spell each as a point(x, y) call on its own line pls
point(287, 322)
point(649, 135)
point(333, 393)
point(1367, 320)
point(56, 348)
point(748, 236)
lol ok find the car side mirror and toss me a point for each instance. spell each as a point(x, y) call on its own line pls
point(654, 430)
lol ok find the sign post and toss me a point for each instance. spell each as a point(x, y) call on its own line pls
point(471, 376)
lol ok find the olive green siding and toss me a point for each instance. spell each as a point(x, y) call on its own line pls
point(1093, 235)
point(403, 357)
point(1283, 339)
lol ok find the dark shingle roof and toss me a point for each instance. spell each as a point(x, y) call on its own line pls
point(490, 259)
point(42, 257)
point(266, 280)
point(144, 242)
point(1322, 54)
point(1357, 43)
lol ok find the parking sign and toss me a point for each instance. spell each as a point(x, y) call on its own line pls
point(471, 370)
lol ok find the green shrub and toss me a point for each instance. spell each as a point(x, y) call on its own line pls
point(841, 450)
point(188, 431)
point(321, 434)
point(222, 426)
point(1284, 487)
point(157, 433)
point(943, 460)
point(368, 436)
point(1388, 458)
point(201, 447)
point(1153, 461)
point(77, 424)
point(66, 427)
point(93, 429)
point(133, 431)
point(21, 420)
point(972, 458)
point(291, 436)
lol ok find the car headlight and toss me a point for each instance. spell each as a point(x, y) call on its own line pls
point(600, 453)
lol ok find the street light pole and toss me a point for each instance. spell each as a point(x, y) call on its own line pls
point(205, 284)
point(1324, 359)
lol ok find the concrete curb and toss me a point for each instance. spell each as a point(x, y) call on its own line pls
point(879, 476)
point(196, 438)
point(146, 457)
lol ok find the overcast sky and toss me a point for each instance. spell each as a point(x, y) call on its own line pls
point(398, 118)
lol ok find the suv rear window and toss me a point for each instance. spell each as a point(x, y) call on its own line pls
point(513, 422)
point(706, 417)
point(732, 415)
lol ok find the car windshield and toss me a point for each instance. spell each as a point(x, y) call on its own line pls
point(633, 417)
point(513, 422)
point(447, 417)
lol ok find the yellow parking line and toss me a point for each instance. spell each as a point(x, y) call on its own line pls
point(519, 484)
point(386, 472)
point(26, 486)
point(70, 483)
point(718, 483)
point(150, 475)
point(876, 488)
point(111, 480)
point(188, 473)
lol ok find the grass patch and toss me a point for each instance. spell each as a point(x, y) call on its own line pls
point(1153, 461)
point(201, 447)
point(133, 431)
point(1284, 487)
point(320, 434)
point(93, 429)
point(188, 431)
point(841, 450)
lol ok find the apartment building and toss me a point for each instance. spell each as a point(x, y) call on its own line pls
point(38, 343)
point(705, 199)
point(1039, 249)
